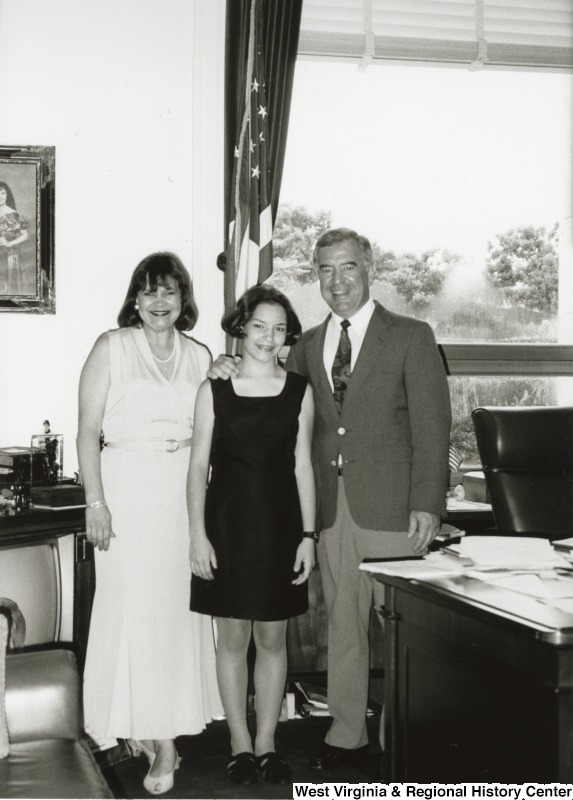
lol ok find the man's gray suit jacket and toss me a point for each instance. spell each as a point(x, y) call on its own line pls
point(394, 427)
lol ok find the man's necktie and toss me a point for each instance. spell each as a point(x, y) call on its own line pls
point(341, 365)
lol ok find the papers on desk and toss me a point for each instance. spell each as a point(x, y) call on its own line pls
point(548, 585)
point(434, 565)
point(520, 564)
point(525, 554)
point(565, 604)
point(564, 545)
point(453, 504)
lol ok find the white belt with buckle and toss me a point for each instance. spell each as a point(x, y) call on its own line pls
point(164, 445)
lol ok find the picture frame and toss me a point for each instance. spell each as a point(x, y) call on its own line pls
point(27, 193)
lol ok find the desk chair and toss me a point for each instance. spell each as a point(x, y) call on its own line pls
point(527, 459)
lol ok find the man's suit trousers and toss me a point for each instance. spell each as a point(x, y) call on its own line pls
point(348, 594)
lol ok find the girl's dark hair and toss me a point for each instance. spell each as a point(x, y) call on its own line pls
point(9, 196)
point(158, 267)
point(233, 322)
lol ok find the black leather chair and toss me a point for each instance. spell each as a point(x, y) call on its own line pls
point(527, 459)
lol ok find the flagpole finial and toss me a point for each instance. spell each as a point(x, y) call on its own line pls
point(222, 261)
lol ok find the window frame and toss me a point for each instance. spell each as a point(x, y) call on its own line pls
point(548, 360)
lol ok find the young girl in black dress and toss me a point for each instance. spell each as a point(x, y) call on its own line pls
point(252, 517)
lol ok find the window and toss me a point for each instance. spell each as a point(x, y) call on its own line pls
point(461, 180)
point(527, 34)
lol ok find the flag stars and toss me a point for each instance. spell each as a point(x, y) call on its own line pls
point(252, 146)
point(263, 112)
point(255, 86)
point(255, 172)
point(262, 137)
point(237, 152)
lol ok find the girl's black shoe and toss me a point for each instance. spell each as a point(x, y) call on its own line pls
point(273, 768)
point(241, 768)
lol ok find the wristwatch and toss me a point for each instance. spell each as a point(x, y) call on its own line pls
point(310, 535)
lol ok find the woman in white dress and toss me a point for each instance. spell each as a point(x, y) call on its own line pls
point(150, 666)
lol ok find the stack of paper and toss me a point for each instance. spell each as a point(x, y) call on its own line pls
point(435, 565)
point(507, 553)
point(564, 545)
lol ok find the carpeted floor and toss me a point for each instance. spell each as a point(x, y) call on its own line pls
point(202, 773)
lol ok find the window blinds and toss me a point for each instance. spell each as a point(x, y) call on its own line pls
point(476, 33)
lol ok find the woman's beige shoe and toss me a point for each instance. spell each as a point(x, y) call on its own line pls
point(163, 783)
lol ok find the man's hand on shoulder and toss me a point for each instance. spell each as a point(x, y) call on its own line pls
point(424, 526)
point(224, 367)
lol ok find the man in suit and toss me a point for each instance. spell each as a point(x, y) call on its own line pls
point(380, 460)
point(380, 457)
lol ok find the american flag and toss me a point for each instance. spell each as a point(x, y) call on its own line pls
point(455, 457)
point(249, 251)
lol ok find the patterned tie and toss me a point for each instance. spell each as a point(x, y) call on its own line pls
point(341, 365)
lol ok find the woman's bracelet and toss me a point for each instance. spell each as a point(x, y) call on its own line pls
point(97, 504)
point(310, 535)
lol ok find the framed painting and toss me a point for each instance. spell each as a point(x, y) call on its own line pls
point(27, 280)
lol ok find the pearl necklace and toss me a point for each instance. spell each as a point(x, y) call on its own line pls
point(164, 360)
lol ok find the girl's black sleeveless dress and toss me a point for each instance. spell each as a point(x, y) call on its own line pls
point(252, 508)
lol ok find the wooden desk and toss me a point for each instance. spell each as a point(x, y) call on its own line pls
point(479, 684)
point(36, 523)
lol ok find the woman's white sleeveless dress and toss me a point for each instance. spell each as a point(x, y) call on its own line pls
point(150, 667)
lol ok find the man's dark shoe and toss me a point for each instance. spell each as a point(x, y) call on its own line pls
point(330, 757)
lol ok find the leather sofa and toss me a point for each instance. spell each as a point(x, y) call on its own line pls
point(48, 757)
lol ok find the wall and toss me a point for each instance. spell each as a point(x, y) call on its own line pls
point(134, 109)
